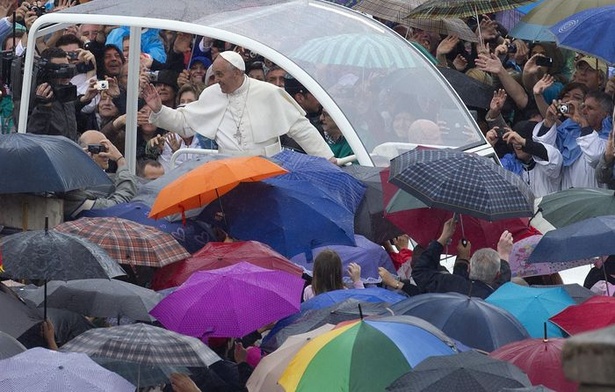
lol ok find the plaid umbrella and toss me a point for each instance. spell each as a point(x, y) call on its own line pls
point(440, 9)
point(141, 346)
point(464, 183)
point(450, 26)
point(393, 10)
point(128, 242)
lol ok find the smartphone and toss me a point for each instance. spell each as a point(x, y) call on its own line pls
point(96, 148)
point(543, 61)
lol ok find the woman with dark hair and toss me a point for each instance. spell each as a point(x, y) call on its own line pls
point(327, 274)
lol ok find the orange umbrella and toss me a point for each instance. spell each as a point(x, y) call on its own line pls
point(210, 181)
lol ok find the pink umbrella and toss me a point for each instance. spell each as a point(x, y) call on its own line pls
point(230, 302)
point(522, 250)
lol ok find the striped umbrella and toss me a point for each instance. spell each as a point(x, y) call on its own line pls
point(364, 355)
point(358, 50)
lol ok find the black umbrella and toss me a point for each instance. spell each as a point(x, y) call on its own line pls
point(464, 372)
point(472, 92)
point(42, 163)
point(369, 220)
point(17, 317)
point(9, 346)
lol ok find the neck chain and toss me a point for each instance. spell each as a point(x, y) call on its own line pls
point(238, 121)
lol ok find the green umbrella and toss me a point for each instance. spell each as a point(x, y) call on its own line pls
point(576, 204)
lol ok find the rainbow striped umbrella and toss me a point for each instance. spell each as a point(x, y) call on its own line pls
point(364, 355)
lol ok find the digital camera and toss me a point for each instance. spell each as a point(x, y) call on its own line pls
point(102, 85)
point(563, 108)
point(96, 148)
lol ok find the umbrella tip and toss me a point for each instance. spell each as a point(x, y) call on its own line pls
point(360, 312)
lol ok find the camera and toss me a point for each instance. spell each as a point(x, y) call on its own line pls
point(512, 48)
point(543, 61)
point(102, 85)
point(153, 76)
point(96, 148)
point(563, 108)
point(500, 132)
point(38, 10)
point(72, 55)
point(48, 72)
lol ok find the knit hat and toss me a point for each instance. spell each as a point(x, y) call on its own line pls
point(235, 59)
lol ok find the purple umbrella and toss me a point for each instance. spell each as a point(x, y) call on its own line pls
point(367, 254)
point(230, 302)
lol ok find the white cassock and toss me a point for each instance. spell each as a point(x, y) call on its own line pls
point(544, 178)
point(248, 121)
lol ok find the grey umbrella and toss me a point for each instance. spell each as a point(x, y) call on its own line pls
point(9, 346)
point(17, 317)
point(98, 298)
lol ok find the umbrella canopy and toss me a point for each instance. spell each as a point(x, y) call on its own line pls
point(368, 355)
point(521, 252)
point(370, 256)
point(578, 32)
point(595, 313)
point(266, 374)
point(540, 359)
point(532, 306)
point(135, 349)
point(439, 9)
point(391, 10)
point(577, 292)
point(591, 237)
point(371, 51)
point(216, 255)
point(576, 204)
point(9, 346)
point(209, 181)
point(469, 320)
point(463, 372)
point(335, 182)
point(534, 26)
point(17, 317)
point(190, 234)
point(42, 163)
point(291, 216)
point(98, 298)
point(128, 242)
point(230, 302)
point(472, 92)
point(39, 369)
point(444, 26)
point(464, 183)
point(369, 294)
point(49, 254)
point(369, 219)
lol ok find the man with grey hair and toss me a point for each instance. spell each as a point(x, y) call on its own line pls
point(244, 116)
point(486, 271)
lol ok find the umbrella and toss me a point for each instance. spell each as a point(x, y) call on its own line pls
point(191, 234)
point(216, 255)
point(39, 369)
point(369, 219)
point(521, 252)
point(463, 183)
point(17, 317)
point(391, 10)
point(128, 242)
point(364, 50)
point(576, 204)
point(335, 182)
point(209, 181)
point(9, 346)
point(370, 294)
point(368, 355)
point(445, 26)
point(42, 163)
point(534, 388)
point(307, 320)
point(98, 298)
point(534, 26)
point(134, 349)
point(468, 371)
point(540, 359)
point(290, 216)
point(266, 374)
point(230, 302)
point(367, 254)
point(439, 9)
point(578, 32)
point(469, 320)
point(532, 306)
point(472, 92)
point(587, 238)
point(577, 292)
point(595, 313)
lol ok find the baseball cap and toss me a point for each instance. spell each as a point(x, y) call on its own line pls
point(594, 63)
point(200, 59)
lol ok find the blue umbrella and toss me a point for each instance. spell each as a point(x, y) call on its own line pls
point(581, 240)
point(290, 216)
point(192, 236)
point(338, 184)
point(367, 254)
point(533, 306)
point(470, 320)
point(370, 294)
point(579, 32)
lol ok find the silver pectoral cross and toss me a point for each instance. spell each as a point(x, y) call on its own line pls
point(237, 135)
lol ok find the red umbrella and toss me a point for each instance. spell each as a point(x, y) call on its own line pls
point(425, 224)
point(595, 313)
point(540, 359)
point(216, 255)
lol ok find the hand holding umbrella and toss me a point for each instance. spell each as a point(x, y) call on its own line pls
point(505, 245)
point(447, 231)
